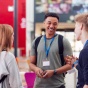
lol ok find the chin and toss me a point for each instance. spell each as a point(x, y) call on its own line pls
point(78, 39)
point(51, 33)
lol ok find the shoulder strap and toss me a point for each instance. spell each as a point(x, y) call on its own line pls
point(36, 44)
point(3, 78)
point(61, 48)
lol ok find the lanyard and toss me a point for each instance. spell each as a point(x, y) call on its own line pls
point(47, 49)
point(85, 43)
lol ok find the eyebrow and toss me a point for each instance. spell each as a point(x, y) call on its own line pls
point(50, 21)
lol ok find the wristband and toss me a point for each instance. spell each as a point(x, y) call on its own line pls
point(55, 72)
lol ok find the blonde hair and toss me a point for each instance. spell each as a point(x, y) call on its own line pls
point(6, 32)
point(82, 18)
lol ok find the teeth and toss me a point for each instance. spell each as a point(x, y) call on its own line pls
point(50, 29)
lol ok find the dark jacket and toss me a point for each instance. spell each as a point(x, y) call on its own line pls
point(83, 67)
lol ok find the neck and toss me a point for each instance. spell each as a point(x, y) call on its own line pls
point(84, 40)
point(49, 36)
point(84, 37)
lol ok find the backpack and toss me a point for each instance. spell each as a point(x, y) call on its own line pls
point(60, 46)
point(3, 78)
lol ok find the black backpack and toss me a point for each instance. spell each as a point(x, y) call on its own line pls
point(3, 78)
point(60, 46)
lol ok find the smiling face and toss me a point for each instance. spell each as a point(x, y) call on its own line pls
point(51, 24)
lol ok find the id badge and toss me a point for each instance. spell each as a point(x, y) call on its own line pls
point(46, 63)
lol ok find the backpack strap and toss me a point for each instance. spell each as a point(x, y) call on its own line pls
point(36, 44)
point(3, 78)
point(61, 48)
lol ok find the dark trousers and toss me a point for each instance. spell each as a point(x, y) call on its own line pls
point(62, 86)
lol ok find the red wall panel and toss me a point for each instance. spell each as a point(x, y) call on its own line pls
point(21, 26)
point(6, 17)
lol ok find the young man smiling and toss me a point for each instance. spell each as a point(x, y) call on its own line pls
point(47, 63)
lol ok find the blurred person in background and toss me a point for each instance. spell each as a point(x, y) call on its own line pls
point(9, 72)
point(47, 62)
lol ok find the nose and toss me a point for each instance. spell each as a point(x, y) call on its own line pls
point(51, 25)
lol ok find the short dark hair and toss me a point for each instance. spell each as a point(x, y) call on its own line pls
point(51, 14)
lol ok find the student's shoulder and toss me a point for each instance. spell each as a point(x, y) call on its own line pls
point(10, 55)
point(84, 51)
point(63, 37)
point(7, 54)
point(37, 38)
point(84, 54)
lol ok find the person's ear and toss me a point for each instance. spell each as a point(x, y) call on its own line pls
point(81, 26)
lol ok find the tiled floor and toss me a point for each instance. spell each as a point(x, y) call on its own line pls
point(23, 67)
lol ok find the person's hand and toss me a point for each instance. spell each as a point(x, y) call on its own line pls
point(74, 61)
point(48, 73)
point(85, 86)
point(68, 60)
point(39, 72)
